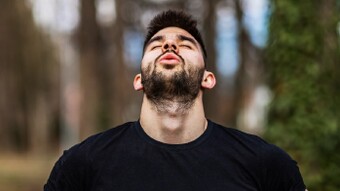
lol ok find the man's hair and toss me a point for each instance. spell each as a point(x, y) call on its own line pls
point(172, 18)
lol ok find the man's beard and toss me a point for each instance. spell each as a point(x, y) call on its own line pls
point(178, 90)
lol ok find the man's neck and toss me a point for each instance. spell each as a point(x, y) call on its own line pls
point(173, 127)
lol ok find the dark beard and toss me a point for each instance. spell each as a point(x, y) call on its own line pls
point(181, 88)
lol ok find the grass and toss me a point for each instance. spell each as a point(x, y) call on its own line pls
point(25, 172)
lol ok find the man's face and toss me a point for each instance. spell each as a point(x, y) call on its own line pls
point(172, 67)
point(186, 51)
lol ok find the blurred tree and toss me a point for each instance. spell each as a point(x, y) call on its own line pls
point(302, 61)
point(104, 75)
point(232, 96)
point(249, 73)
point(119, 90)
point(212, 98)
point(28, 79)
point(89, 42)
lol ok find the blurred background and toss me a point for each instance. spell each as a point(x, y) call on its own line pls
point(66, 71)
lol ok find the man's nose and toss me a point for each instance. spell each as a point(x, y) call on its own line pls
point(170, 45)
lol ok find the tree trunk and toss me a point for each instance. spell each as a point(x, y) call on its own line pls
point(118, 70)
point(89, 47)
point(28, 80)
point(211, 97)
point(248, 75)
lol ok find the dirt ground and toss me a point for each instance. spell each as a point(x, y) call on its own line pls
point(25, 172)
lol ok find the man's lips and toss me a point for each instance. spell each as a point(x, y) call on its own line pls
point(169, 58)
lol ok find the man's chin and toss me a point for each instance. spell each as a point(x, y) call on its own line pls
point(169, 66)
point(168, 73)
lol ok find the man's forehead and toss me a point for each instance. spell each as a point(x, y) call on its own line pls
point(172, 32)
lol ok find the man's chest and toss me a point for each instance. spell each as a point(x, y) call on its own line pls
point(172, 173)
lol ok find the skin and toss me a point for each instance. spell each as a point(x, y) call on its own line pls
point(171, 126)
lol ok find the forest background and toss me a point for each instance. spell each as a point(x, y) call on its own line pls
point(66, 71)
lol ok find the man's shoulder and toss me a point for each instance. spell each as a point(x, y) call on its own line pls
point(238, 135)
point(251, 142)
point(98, 142)
point(272, 162)
point(109, 135)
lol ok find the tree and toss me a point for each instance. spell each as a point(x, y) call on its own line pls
point(248, 76)
point(302, 61)
point(89, 43)
point(28, 80)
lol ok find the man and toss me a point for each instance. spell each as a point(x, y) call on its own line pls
point(173, 146)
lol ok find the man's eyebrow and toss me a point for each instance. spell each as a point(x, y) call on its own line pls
point(156, 38)
point(182, 37)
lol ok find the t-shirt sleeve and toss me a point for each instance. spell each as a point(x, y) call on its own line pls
point(68, 173)
point(281, 171)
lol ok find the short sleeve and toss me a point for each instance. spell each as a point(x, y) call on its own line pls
point(68, 173)
point(281, 172)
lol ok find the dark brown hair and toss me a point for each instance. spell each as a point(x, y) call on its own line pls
point(172, 18)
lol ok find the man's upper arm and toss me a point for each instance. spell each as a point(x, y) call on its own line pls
point(68, 172)
point(281, 171)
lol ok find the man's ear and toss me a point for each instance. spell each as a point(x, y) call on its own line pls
point(137, 82)
point(209, 80)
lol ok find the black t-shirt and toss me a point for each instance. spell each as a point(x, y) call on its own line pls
point(126, 158)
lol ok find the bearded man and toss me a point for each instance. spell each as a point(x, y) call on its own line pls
point(173, 146)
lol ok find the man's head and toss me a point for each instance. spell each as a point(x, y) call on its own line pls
point(173, 64)
point(178, 19)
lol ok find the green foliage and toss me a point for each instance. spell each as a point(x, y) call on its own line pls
point(302, 60)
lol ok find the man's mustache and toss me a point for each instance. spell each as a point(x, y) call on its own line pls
point(169, 51)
